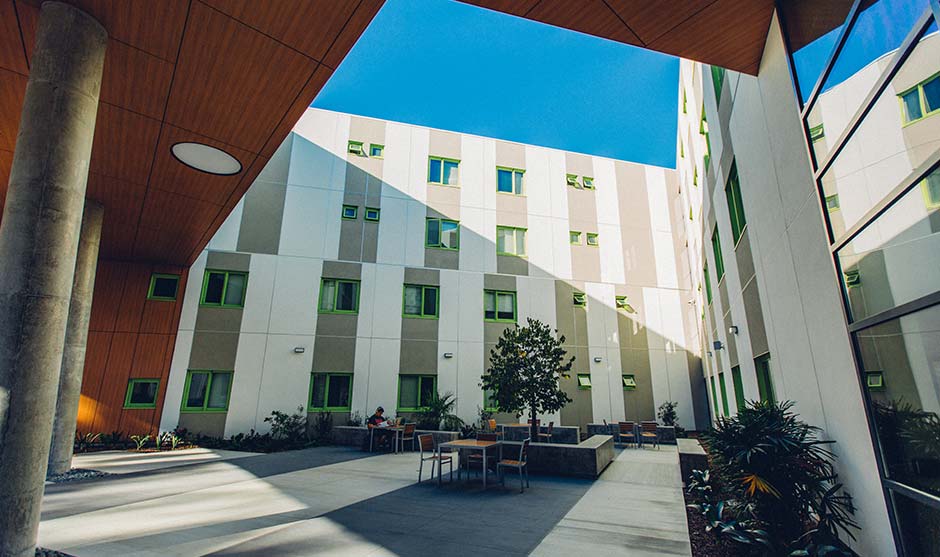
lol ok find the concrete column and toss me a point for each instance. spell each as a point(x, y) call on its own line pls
point(76, 338)
point(38, 246)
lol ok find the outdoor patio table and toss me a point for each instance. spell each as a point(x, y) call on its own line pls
point(471, 445)
point(396, 431)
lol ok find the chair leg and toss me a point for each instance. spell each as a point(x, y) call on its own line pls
point(521, 485)
point(420, 469)
point(526, 476)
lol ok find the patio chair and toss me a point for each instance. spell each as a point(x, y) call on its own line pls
point(649, 432)
point(476, 459)
point(519, 465)
point(627, 433)
point(407, 436)
point(547, 437)
point(426, 445)
point(491, 423)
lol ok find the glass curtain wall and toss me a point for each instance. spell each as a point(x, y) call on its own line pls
point(866, 75)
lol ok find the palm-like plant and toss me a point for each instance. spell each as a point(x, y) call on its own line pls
point(440, 410)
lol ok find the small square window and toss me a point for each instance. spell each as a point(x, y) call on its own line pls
point(852, 278)
point(584, 381)
point(816, 133)
point(574, 237)
point(355, 148)
point(588, 183)
point(629, 383)
point(372, 214)
point(350, 212)
point(579, 299)
point(163, 287)
point(623, 304)
point(875, 380)
point(832, 202)
point(911, 103)
point(572, 180)
point(377, 151)
point(141, 393)
point(591, 239)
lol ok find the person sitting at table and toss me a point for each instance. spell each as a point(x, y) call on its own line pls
point(380, 422)
point(378, 419)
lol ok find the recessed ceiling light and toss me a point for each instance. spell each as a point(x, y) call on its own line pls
point(206, 159)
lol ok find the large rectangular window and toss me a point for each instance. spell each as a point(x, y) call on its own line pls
point(735, 205)
point(739, 400)
point(420, 301)
point(141, 393)
point(715, 398)
point(719, 262)
point(499, 306)
point(510, 241)
point(708, 285)
point(724, 393)
point(415, 392)
point(207, 391)
point(509, 180)
point(330, 392)
point(224, 289)
point(442, 234)
point(339, 296)
point(443, 171)
point(922, 100)
point(163, 287)
point(718, 78)
point(765, 384)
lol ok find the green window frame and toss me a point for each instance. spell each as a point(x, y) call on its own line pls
point(443, 171)
point(213, 390)
point(415, 392)
point(738, 385)
point(718, 79)
point(735, 204)
point(499, 306)
point(591, 239)
point(816, 133)
point(489, 404)
point(330, 392)
point(623, 303)
point(376, 151)
point(708, 285)
point(875, 380)
point(852, 278)
point(588, 182)
point(931, 188)
point(629, 382)
point(159, 282)
point(338, 292)
point(724, 393)
point(442, 234)
point(574, 238)
point(510, 241)
point(695, 175)
point(584, 381)
point(350, 212)
point(579, 299)
point(921, 100)
point(703, 130)
point(681, 149)
point(684, 101)
point(425, 301)
point(832, 203)
point(222, 289)
point(372, 214)
point(715, 398)
point(355, 148)
point(572, 180)
point(510, 180)
point(719, 262)
point(765, 385)
point(149, 389)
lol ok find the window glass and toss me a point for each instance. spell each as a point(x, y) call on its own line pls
point(412, 300)
point(724, 393)
point(318, 390)
point(143, 393)
point(894, 260)
point(931, 91)
point(913, 518)
point(235, 290)
point(376, 151)
point(911, 101)
point(427, 391)
point(716, 247)
point(408, 391)
point(574, 237)
point(346, 296)
point(164, 287)
point(708, 286)
point(520, 242)
point(430, 301)
point(584, 381)
point(489, 305)
point(434, 171)
point(198, 383)
point(765, 385)
point(433, 236)
point(591, 239)
point(327, 295)
point(735, 204)
point(503, 239)
point(504, 180)
point(450, 234)
point(812, 33)
point(629, 382)
point(450, 173)
point(218, 390)
point(739, 400)
point(215, 284)
point(931, 187)
point(350, 211)
point(588, 182)
point(338, 396)
point(517, 178)
point(506, 305)
point(372, 214)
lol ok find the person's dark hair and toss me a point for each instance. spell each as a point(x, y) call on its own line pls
point(379, 409)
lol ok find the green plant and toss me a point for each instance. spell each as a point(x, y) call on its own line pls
point(289, 430)
point(115, 439)
point(323, 427)
point(84, 441)
point(780, 478)
point(439, 413)
point(525, 368)
point(169, 438)
point(355, 419)
point(140, 441)
point(669, 417)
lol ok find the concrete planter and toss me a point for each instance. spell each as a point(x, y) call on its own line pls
point(560, 434)
point(667, 434)
point(358, 436)
point(582, 460)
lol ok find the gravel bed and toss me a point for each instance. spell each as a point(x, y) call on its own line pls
point(76, 474)
point(43, 552)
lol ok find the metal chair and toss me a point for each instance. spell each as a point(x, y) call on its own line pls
point(649, 431)
point(476, 459)
point(407, 436)
point(426, 444)
point(519, 465)
point(547, 436)
point(627, 432)
point(492, 424)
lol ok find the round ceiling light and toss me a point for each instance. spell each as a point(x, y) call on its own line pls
point(206, 159)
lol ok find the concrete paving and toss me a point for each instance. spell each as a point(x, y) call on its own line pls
point(337, 501)
point(125, 462)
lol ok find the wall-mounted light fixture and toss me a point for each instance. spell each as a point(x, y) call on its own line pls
point(709, 353)
point(717, 345)
point(733, 330)
point(299, 350)
point(448, 355)
point(597, 359)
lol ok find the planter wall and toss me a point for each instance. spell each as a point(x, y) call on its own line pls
point(667, 434)
point(560, 434)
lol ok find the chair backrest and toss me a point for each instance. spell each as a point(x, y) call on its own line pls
point(492, 424)
point(398, 421)
point(626, 428)
point(537, 422)
point(551, 425)
point(426, 442)
point(648, 427)
point(409, 430)
point(487, 437)
point(524, 449)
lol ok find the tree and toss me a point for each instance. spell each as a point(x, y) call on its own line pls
point(524, 371)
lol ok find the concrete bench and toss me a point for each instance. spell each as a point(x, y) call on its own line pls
point(667, 434)
point(560, 433)
point(581, 460)
point(358, 436)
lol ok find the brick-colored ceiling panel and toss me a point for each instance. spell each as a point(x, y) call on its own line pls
point(12, 89)
point(288, 21)
point(593, 17)
point(513, 7)
point(650, 19)
point(351, 32)
point(310, 90)
point(117, 239)
point(225, 85)
point(12, 56)
point(175, 213)
point(137, 136)
point(173, 176)
point(136, 80)
point(122, 201)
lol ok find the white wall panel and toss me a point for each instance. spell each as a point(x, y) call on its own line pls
point(558, 191)
point(470, 363)
point(415, 225)
point(246, 384)
point(396, 168)
point(418, 171)
point(474, 247)
point(192, 293)
point(450, 294)
point(383, 374)
point(362, 376)
point(261, 275)
point(537, 181)
point(392, 230)
point(611, 253)
point(368, 290)
point(289, 374)
point(471, 307)
point(386, 322)
point(296, 294)
point(472, 182)
point(170, 417)
point(603, 338)
point(226, 237)
point(541, 242)
point(306, 221)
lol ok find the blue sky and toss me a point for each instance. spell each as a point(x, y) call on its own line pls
point(452, 66)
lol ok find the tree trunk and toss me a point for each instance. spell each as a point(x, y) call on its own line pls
point(533, 428)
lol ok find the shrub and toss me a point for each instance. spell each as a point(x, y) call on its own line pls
point(438, 412)
point(289, 430)
point(355, 419)
point(779, 476)
point(140, 441)
point(170, 439)
point(115, 439)
point(84, 441)
point(323, 427)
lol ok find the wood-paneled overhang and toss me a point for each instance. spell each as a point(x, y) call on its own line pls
point(234, 74)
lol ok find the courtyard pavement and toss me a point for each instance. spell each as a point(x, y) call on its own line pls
point(338, 501)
